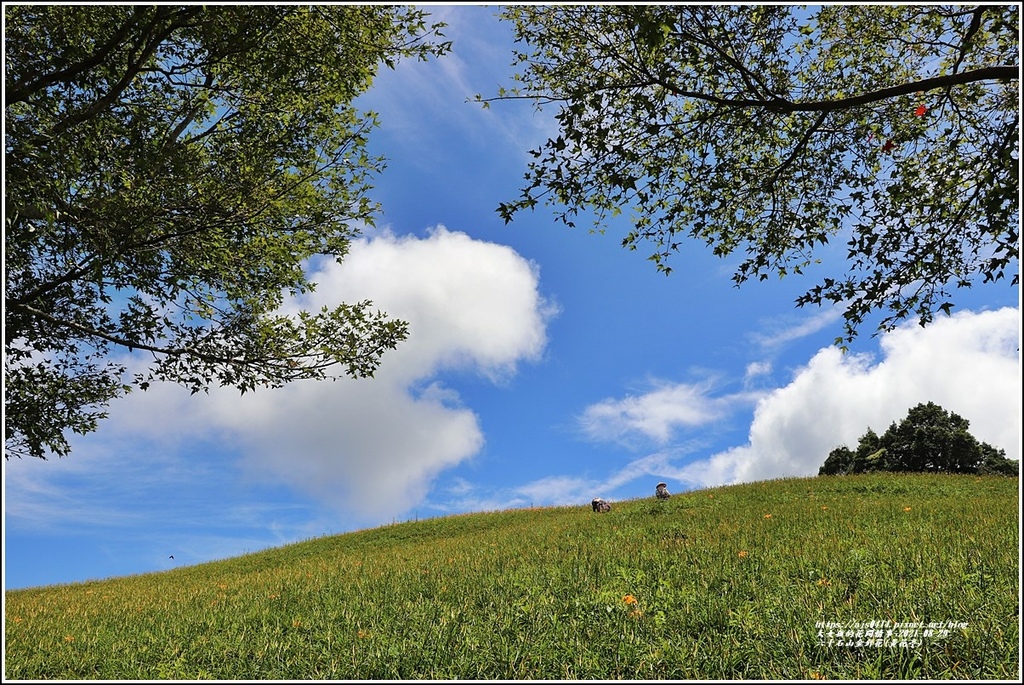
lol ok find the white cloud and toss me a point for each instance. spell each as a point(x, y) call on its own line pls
point(468, 303)
point(373, 446)
point(782, 333)
point(658, 414)
point(755, 369)
point(968, 364)
point(429, 103)
point(370, 447)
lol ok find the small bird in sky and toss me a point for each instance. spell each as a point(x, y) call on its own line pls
point(171, 557)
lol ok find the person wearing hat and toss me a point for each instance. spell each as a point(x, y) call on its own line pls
point(661, 492)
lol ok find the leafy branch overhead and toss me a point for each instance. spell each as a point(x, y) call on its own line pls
point(768, 132)
point(170, 170)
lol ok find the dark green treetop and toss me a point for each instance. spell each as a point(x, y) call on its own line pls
point(929, 439)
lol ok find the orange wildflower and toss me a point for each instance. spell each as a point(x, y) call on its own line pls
point(767, 516)
point(630, 599)
point(906, 508)
point(743, 554)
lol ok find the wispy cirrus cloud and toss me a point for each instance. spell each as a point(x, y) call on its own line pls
point(659, 414)
point(779, 333)
point(442, 91)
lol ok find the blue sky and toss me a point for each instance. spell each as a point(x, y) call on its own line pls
point(545, 366)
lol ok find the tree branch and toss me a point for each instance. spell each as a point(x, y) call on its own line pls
point(134, 68)
point(22, 90)
point(998, 73)
point(190, 116)
point(971, 30)
point(799, 147)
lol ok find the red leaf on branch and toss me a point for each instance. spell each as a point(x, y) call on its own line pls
point(921, 109)
point(889, 145)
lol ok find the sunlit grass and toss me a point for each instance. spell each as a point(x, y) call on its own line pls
point(722, 583)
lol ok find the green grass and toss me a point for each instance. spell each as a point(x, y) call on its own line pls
point(723, 583)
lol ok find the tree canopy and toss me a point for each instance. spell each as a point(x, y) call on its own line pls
point(929, 439)
point(169, 172)
point(769, 131)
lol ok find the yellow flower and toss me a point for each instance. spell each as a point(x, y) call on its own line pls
point(297, 623)
point(824, 508)
point(767, 516)
point(636, 613)
point(824, 581)
point(362, 634)
point(629, 599)
point(743, 554)
point(906, 508)
point(69, 638)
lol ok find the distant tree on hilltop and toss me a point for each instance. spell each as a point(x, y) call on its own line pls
point(929, 439)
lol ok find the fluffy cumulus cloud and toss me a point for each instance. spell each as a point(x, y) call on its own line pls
point(469, 303)
point(968, 364)
point(374, 445)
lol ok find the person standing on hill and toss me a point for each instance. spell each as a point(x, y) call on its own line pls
point(661, 492)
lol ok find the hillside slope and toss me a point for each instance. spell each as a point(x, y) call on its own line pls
point(754, 581)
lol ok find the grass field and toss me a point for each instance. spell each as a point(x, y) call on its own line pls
point(745, 581)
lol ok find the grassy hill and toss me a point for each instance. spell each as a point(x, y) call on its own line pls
point(751, 581)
